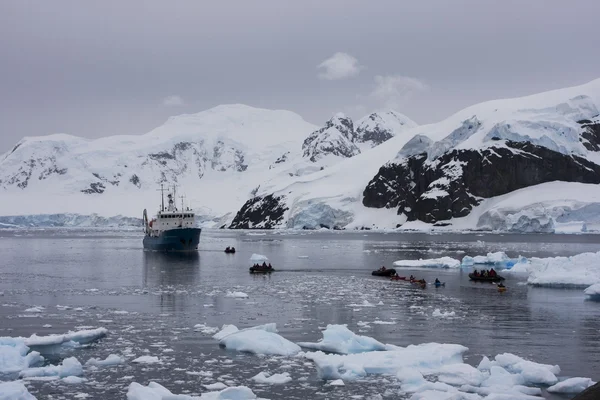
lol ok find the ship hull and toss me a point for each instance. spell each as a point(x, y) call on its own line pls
point(185, 239)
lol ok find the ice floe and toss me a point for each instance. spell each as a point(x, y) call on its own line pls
point(339, 339)
point(442, 262)
point(154, 391)
point(237, 295)
point(275, 379)
point(14, 391)
point(77, 337)
point(205, 329)
point(437, 371)
point(110, 360)
point(262, 339)
point(68, 367)
point(147, 360)
point(446, 314)
point(581, 270)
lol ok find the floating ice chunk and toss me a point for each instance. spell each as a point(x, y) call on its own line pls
point(571, 385)
point(438, 314)
point(79, 337)
point(68, 367)
point(340, 339)
point(226, 330)
point(593, 292)
point(14, 391)
point(443, 262)
point(15, 356)
point(237, 295)
point(258, 258)
point(365, 303)
point(73, 380)
point(262, 339)
point(530, 371)
point(275, 379)
point(216, 386)
point(147, 360)
point(425, 358)
point(154, 391)
point(111, 359)
point(581, 270)
point(205, 329)
point(337, 382)
point(36, 309)
point(432, 394)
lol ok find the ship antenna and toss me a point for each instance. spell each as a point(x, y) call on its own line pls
point(162, 197)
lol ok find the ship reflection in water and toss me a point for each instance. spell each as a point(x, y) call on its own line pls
point(172, 276)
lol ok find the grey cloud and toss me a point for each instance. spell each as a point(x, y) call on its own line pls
point(100, 68)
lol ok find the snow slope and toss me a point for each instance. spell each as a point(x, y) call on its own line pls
point(482, 168)
point(217, 157)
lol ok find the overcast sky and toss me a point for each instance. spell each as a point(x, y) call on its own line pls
point(98, 68)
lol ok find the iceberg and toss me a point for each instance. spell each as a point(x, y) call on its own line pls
point(339, 339)
point(14, 391)
point(443, 262)
point(154, 391)
point(579, 271)
point(262, 339)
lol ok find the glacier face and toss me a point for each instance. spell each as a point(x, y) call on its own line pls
point(440, 174)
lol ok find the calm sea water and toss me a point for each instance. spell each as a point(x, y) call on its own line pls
point(150, 303)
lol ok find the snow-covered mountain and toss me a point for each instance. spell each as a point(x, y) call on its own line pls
point(341, 138)
point(219, 158)
point(443, 173)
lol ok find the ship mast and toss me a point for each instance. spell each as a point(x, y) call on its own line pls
point(162, 197)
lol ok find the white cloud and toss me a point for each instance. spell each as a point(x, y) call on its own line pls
point(394, 91)
point(339, 66)
point(173, 101)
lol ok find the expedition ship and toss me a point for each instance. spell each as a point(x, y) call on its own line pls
point(172, 229)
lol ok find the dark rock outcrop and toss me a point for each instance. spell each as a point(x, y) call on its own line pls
point(260, 213)
point(591, 393)
point(590, 137)
point(453, 183)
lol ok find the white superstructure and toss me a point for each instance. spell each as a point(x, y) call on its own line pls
point(169, 217)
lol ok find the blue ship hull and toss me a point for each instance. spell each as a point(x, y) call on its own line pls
point(185, 239)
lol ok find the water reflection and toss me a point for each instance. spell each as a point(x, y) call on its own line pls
point(167, 269)
point(168, 273)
